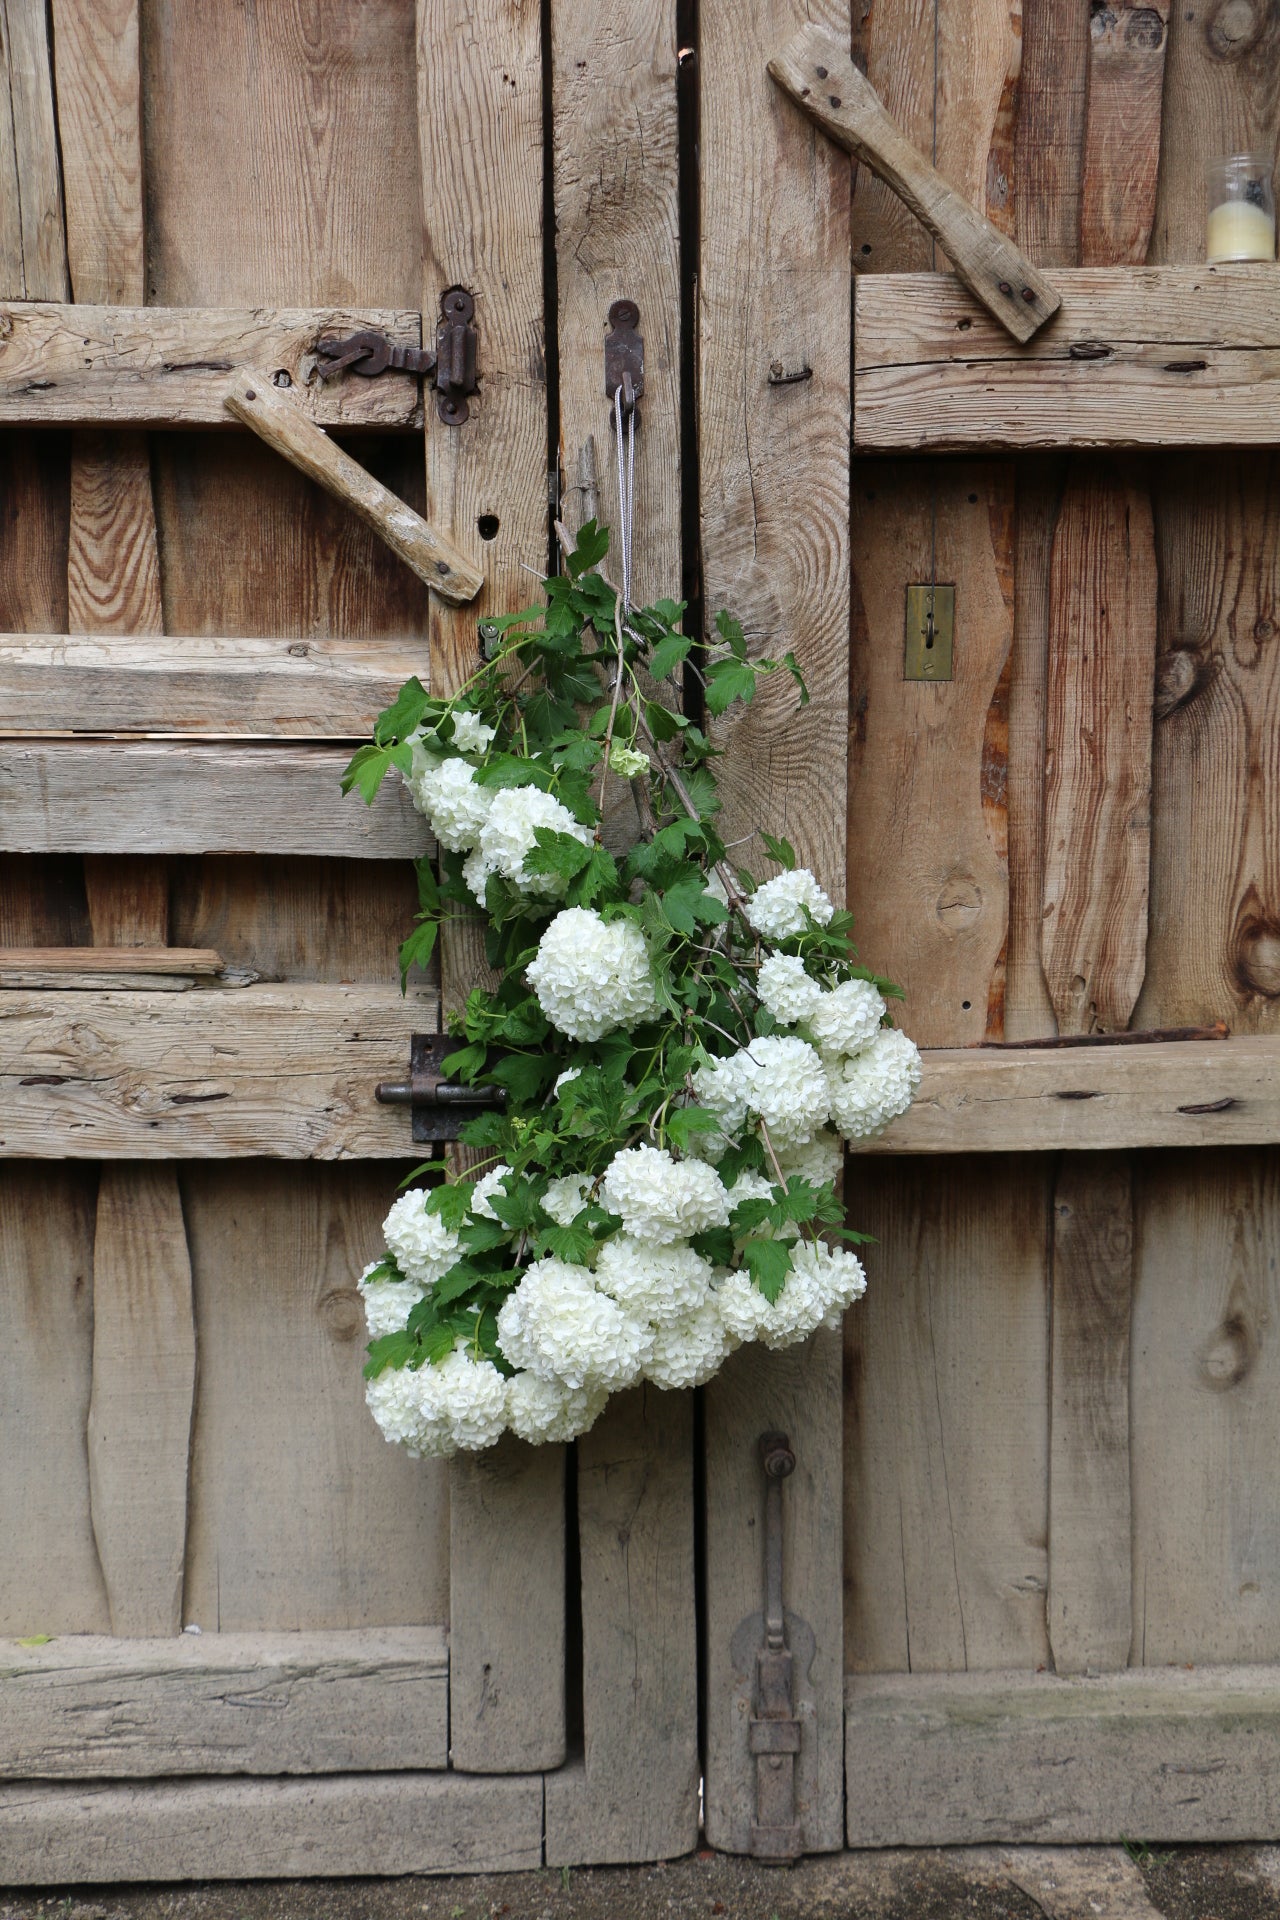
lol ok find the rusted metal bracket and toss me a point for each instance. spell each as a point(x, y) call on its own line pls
point(774, 1728)
point(438, 1106)
point(450, 364)
point(624, 355)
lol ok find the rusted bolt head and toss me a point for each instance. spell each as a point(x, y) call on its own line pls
point(1028, 294)
point(1005, 287)
point(776, 1455)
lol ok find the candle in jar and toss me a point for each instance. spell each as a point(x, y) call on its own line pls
point(1241, 231)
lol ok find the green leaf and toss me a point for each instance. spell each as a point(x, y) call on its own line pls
point(465, 1064)
point(365, 771)
point(35, 1640)
point(417, 950)
point(684, 1122)
point(600, 875)
point(452, 1285)
point(590, 548)
point(404, 714)
point(769, 1263)
point(390, 1350)
point(574, 1243)
point(669, 653)
point(451, 1202)
point(428, 890)
point(510, 770)
point(524, 1075)
point(731, 633)
point(518, 1210)
point(484, 1236)
point(558, 854)
point(727, 681)
point(716, 1245)
point(780, 850)
point(792, 665)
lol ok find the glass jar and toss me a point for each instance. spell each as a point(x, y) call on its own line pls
point(1242, 208)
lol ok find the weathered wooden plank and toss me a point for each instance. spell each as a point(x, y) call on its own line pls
point(1097, 795)
point(1052, 91)
point(222, 1703)
point(301, 1515)
point(283, 1071)
point(153, 797)
point(1138, 356)
point(947, 1441)
point(108, 960)
point(134, 366)
point(1090, 1608)
point(144, 1376)
point(1121, 146)
point(99, 132)
point(928, 878)
point(319, 688)
point(33, 253)
point(636, 1796)
point(773, 400)
point(1176, 1755)
point(55, 1834)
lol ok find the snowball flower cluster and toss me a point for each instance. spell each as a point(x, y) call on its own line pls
point(662, 1199)
point(387, 1303)
point(455, 805)
point(439, 1410)
point(471, 734)
point(873, 1087)
point(823, 1281)
point(423, 1247)
point(507, 835)
point(848, 1018)
point(786, 989)
point(780, 1079)
point(776, 910)
point(592, 976)
point(560, 1325)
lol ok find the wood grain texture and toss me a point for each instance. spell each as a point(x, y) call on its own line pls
point(99, 116)
point(263, 914)
point(1155, 356)
point(158, 797)
point(1206, 1543)
point(636, 1796)
point(113, 567)
point(1052, 94)
point(928, 875)
point(1090, 1608)
point(797, 1393)
point(348, 1824)
point(258, 687)
point(282, 1071)
point(1097, 793)
point(144, 1376)
point(1182, 1756)
point(110, 960)
point(33, 249)
point(50, 1579)
point(301, 1517)
point(135, 366)
point(1121, 149)
point(947, 1420)
point(223, 1703)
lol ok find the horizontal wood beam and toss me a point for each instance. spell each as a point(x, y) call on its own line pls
point(1168, 1094)
point(943, 1759)
point(271, 1703)
point(283, 1071)
point(252, 688)
point(59, 1834)
point(1135, 357)
point(66, 366)
point(167, 797)
point(201, 961)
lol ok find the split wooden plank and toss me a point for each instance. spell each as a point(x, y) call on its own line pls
point(33, 254)
point(1090, 1607)
point(1138, 356)
point(636, 1795)
point(345, 1824)
point(767, 440)
point(160, 797)
point(1097, 796)
point(301, 1516)
point(947, 1442)
point(220, 1703)
point(136, 366)
point(109, 960)
point(257, 687)
point(486, 487)
point(1181, 1755)
point(286, 1072)
point(255, 401)
point(1053, 88)
point(1122, 131)
point(816, 71)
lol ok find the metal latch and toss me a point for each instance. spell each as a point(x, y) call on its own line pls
point(774, 1730)
point(624, 355)
point(439, 1106)
point(451, 364)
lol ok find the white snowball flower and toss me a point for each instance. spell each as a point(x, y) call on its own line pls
point(627, 761)
point(875, 1086)
point(507, 835)
point(545, 1410)
point(472, 1399)
point(836, 1273)
point(786, 989)
point(488, 1183)
point(563, 1079)
point(455, 806)
point(558, 1324)
point(421, 757)
point(395, 1403)
point(565, 1197)
point(656, 1282)
point(848, 1018)
point(663, 1199)
point(470, 733)
point(819, 1161)
point(716, 888)
point(424, 1248)
point(722, 1088)
point(687, 1352)
point(798, 1311)
point(786, 1085)
point(776, 910)
point(592, 977)
point(387, 1303)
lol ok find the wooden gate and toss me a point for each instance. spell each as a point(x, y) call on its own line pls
point(1028, 1535)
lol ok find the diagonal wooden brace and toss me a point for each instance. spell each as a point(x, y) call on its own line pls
point(816, 70)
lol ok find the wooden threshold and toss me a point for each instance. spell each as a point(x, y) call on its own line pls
point(86, 1706)
point(1135, 357)
point(1167, 1753)
point(84, 366)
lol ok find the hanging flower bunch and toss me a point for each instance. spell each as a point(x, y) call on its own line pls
point(682, 1051)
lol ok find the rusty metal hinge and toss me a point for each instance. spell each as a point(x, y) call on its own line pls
point(450, 364)
point(624, 355)
point(774, 1731)
point(438, 1106)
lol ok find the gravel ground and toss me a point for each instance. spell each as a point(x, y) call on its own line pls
point(996, 1883)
